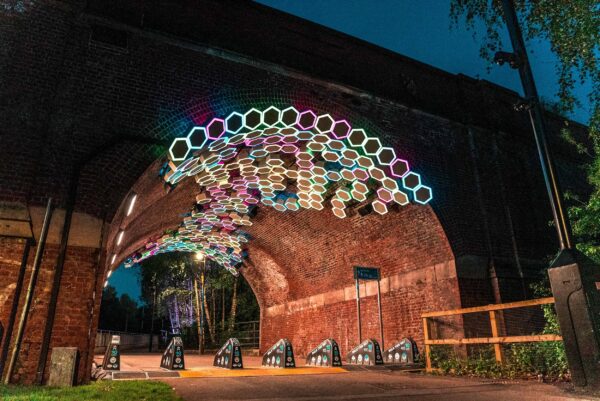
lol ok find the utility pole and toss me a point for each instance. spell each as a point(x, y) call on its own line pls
point(573, 276)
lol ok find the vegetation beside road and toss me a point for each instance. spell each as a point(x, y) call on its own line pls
point(99, 391)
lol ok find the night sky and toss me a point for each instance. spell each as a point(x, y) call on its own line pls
point(420, 30)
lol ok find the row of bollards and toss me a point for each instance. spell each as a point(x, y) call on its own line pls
point(281, 354)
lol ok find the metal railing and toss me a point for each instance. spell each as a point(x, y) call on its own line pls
point(495, 339)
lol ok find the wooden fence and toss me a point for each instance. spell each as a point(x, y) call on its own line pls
point(496, 340)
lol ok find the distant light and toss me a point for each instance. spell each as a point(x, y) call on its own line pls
point(109, 273)
point(105, 283)
point(112, 260)
point(199, 256)
point(120, 237)
point(131, 204)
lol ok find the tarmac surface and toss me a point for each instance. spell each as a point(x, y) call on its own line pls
point(355, 384)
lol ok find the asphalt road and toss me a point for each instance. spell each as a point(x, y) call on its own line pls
point(370, 385)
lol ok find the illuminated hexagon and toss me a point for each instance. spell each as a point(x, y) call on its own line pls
point(423, 194)
point(350, 154)
point(337, 203)
point(216, 128)
point(317, 205)
point(400, 198)
point(399, 168)
point(316, 146)
point(289, 116)
point(179, 150)
point(324, 123)
point(333, 176)
point(386, 156)
point(347, 174)
point(252, 118)
point(271, 116)
point(343, 194)
point(360, 174)
point(289, 149)
point(234, 123)
point(372, 146)
point(307, 119)
point(336, 145)
point(330, 156)
point(377, 173)
point(346, 162)
point(196, 138)
point(341, 129)
point(389, 184)
point(379, 207)
point(411, 181)
point(357, 137)
point(385, 195)
point(365, 162)
point(341, 213)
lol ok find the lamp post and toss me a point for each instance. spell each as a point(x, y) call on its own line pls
point(572, 275)
point(200, 300)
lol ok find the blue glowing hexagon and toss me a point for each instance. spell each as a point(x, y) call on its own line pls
point(197, 138)
point(423, 194)
point(411, 181)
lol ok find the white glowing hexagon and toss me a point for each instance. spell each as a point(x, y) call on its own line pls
point(180, 149)
point(324, 124)
point(252, 119)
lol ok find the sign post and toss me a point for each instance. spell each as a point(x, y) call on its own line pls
point(368, 273)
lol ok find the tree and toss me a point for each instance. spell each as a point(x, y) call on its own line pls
point(573, 31)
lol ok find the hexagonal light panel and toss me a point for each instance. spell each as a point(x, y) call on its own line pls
point(234, 122)
point(289, 116)
point(288, 160)
point(197, 138)
point(271, 116)
point(252, 119)
point(216, 128)
point(307, 119)
point(399, 168)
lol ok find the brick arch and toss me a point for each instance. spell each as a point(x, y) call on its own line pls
point(299, 262)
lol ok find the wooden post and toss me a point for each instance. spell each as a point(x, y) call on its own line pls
point(427, 346)
point(497, 346)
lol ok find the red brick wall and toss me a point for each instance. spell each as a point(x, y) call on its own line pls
point(300, 266)
point(72, 321)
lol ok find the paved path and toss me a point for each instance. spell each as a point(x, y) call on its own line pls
point(370, 385)
point(353, 385)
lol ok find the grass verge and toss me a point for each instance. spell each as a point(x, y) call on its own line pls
point(105, 390)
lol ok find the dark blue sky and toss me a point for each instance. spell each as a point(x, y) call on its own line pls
point(418, 29)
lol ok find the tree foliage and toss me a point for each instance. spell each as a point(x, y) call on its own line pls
point(573, 31)
point(571, 28)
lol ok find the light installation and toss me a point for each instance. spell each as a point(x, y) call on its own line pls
point(285, 159)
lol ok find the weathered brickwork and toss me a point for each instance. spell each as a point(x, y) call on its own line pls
point(72, 99)
point(73, 321)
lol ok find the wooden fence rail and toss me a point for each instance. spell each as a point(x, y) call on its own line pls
point(496, 340)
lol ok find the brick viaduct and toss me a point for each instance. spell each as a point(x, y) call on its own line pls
point(91, 87)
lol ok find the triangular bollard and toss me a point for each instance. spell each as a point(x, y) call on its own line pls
point(366, 353)
point(404, 352)
point(172, 358)
point(280, 355)
point(112, 356)
point(230, 355)
point(326, 354)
